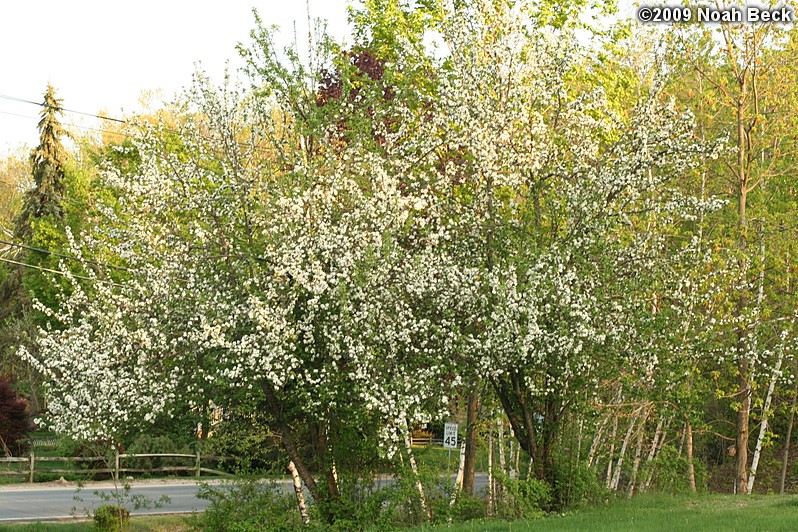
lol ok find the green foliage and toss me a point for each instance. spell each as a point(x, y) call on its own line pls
point(248, 505)
point(468, 508)
point(102, 450)
point(47, 164)
point(147, 444)
point(576, 485)
point(523, 498)
point(111, 517)
point(670, 472)
point(254, 448)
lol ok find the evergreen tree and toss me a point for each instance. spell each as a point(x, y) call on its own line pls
point(42, 207)
point(47, 165)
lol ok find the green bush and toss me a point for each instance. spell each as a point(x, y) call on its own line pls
point(111, 517)
point(467, 508)
point(576, 485)
point(670, 472)
point(248, 505)
point(146, 444)
point(102, 450)
point(523, 498)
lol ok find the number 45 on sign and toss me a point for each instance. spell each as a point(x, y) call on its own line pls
point(450, 435)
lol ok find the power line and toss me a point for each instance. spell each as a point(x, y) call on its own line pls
point(72, 124)
point(62, 255)
point(101, 117)
point(59, 272)
point(58, 108)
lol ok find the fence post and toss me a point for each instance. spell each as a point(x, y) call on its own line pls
point(116, 465)
point(32, 466)
point(198, 462)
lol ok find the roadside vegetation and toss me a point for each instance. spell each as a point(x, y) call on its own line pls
point(712, 513)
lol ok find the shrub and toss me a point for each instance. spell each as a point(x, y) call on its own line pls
point(244, 505)
point(103, 450)
point(249, 440)
point(669, 472)
point(467, 508)
point(576, 485)
point(111, 517)
point(523, 498)
point(146, 444)
point(15, 423)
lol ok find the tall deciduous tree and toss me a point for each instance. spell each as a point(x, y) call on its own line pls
point(738, 80)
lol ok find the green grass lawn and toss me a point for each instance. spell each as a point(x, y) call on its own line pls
point(156, 523)
point(659, 512)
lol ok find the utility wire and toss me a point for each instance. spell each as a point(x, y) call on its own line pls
point(109, 118)
point(59, 272)
point(64, 256)
point(57, 108)
point(72, 124)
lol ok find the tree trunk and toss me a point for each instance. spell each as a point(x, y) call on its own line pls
point(288, 441)
point(414, 468)
point(502, 462)
point(743, 414)
point(636, 466)
point(471, 442)
point(612, 451)
point(300, 497)
point(656, 446)
point(591, 454)
point(616, 478)
point(491, 499)
point(458, 481)
point(764, 426)
point(786, 458)
point(688, 429)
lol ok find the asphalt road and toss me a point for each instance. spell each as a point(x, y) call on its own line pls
point(45, 503)
point(21, 502)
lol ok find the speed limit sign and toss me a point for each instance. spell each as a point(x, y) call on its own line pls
point(450, 435)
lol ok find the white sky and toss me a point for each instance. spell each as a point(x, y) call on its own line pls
point(100, 55)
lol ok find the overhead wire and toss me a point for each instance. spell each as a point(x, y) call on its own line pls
point(93, 115)
point(59, 108)
point(72, 124)
point(59, 272)
point(65, 256)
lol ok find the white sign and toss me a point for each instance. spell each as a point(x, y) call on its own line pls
point(450, 435)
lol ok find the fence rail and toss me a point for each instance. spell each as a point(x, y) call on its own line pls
point(114, 468)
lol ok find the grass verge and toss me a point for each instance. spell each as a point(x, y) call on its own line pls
point(661, 512)
point(153, 523)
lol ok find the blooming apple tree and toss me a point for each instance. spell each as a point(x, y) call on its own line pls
point(553, 199)
point(348, 284)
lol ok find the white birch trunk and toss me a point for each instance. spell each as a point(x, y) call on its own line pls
point(502, 462)
point(591, 454)
point(656, 448)
point(458, 481)
point(764, 426)
point(638, 455)
point(414, 469)
point(608, 481)
point(300, 496)
point(491, 499)
point(616, 478)
point(636, 465)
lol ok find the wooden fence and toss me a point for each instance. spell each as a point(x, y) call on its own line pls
point(112, 468)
